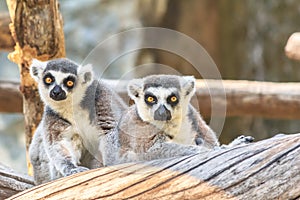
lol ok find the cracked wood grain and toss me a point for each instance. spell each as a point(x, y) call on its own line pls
point(267, 169)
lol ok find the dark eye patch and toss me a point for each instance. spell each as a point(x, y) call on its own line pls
point(47, 78)
point(173, 99)
point(150, 99)
point(69, 82)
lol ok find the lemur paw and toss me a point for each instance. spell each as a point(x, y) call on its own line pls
point(77, 170)
point(240, 140)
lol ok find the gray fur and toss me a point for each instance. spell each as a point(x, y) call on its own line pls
point(87, 77)
point(184, 87)
point(90, 95)
point(62, 64)
point(67, 139)
point(203, 133)
point(188, 86)
point(139, 137)
point(135, 87)
point(137, 140)
point(165, 81)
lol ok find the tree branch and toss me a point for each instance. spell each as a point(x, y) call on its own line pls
point(243, 98)
point(267, 169)
point(251, 98)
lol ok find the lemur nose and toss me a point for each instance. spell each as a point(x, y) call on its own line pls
point(162, 114)
point(56, 90)
point(57, 93)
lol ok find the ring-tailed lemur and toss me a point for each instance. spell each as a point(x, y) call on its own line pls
point(78, 109)
point(162, 122)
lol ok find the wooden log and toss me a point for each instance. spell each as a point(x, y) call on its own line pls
point(12, 182)
point(267, 169)
point(243, 98)
point(251, 98)
point(6, 41)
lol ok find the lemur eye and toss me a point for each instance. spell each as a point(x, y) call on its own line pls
point(173, 99)
point(48, 80)
point(70, 83)
point(150, 99)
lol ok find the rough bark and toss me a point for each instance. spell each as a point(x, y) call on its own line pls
point(292, 48)
point(6, 41)
point(243, 98)
point(267, 169)
point(38, 33)
point(12, 183)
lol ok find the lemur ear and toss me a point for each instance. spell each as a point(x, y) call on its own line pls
point(85, 72)
point(189, 85)
point(134, 88)
point(36, 69)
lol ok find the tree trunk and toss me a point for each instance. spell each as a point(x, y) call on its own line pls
point(199, 20)
point(267, 169)
point(38, 33)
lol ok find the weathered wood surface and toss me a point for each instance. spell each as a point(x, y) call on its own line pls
point(37, 30)
point(292, 47)
point(264, 99)
point(6, 41)
point(268, 169)
point(12, 182)
point(252, 98)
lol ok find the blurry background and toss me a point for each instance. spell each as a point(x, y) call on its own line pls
point(245, 39)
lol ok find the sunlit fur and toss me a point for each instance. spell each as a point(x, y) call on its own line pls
point(65, 107)
point(179, 127)
point(67, 139)
point(140, 137)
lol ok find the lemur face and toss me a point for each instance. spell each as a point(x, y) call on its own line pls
point(161, 103)
point(161, 98)
point(59, 80)
point(58, 85)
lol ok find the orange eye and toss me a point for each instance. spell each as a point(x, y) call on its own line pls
point(173, 99)
point(150, 99)
point(48, 80)
point(70, 83)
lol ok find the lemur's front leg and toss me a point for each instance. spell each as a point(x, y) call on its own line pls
point(64, 149)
